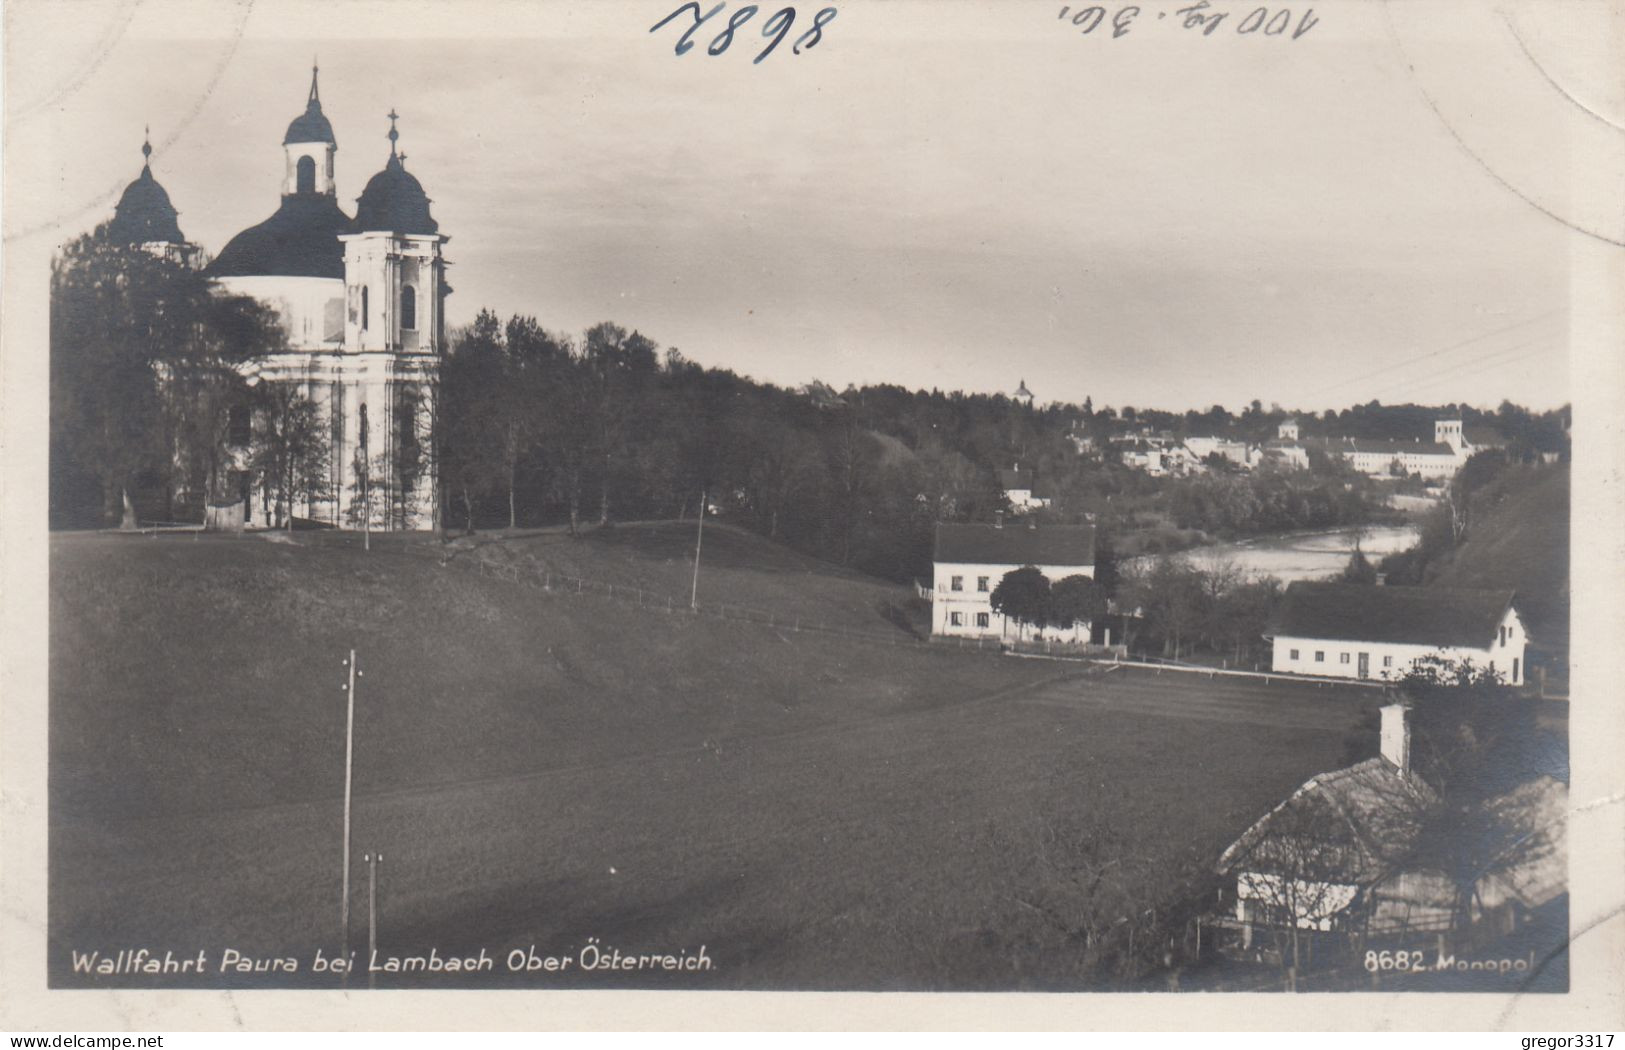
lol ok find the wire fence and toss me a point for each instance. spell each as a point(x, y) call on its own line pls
point(550, 582)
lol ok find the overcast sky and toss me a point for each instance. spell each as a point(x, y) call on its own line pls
point(957, 196)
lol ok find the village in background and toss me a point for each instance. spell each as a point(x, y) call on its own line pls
point(919, 663)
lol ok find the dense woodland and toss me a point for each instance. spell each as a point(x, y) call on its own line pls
point(533, 427)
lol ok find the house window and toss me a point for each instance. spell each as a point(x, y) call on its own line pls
point(1293, 655)
point(956, 584)
point(305, 175)
point(1388, 661)
point(1514, 670)
point(1320, 656)
point(1342, 658)
point(981, 583)
point(365, 312)
point(409, 308)
point(956, 619)
point(981, 619)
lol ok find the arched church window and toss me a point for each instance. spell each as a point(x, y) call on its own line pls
point(409, 307)
point(364, 312)
point(305, 177)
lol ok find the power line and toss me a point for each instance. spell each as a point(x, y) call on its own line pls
point(1413, 361)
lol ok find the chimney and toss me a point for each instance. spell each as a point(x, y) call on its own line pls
point(998, 519)
point(1396, 736)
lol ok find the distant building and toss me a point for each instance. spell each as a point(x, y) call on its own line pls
point(1203, 447)
point(1280, 453)
point(1023, 396)
point(1084, 443)
point(145, 217)
point(970, 560)
point(1022, 489)
point(1288, 429)
point(1345, 630)
point(1383, 458)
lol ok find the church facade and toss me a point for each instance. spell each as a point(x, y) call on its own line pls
point(361, 302)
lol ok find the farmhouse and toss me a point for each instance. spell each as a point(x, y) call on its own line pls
point(970, 560)
point(1343, 854)
point(1345, 630)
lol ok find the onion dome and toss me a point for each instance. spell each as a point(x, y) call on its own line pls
point(394, 200)
point(300, 240)
point(144, 214)
point(311, 125)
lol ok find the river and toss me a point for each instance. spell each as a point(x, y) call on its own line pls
point(1307, 555)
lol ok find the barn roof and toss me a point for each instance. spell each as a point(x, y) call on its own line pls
point(1016, 544)
point(1415, 615)
point(1351, 826)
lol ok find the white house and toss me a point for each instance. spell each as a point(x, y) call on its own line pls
point(1021, 489)
point(970, 560)
point(1345, 630)
point(1204, 446)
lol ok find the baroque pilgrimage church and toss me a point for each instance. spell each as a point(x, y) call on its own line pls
point(361, 301)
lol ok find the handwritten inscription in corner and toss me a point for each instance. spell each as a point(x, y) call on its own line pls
point(774, 29)
point(1202, 17)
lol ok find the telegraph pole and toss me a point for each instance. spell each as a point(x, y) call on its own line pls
point(366, 485)
point(699, 538)
point(349, 750)
point(373, 860)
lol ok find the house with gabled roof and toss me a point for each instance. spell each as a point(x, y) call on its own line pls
point(1346, 630)
point(1345, 853)
point(969, 561)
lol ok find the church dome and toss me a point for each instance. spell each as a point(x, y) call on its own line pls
point(312, 125)
point(300, 240)
point(394, 201)
point(144, 214)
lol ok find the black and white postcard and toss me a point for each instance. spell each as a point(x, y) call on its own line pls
point(835, 496)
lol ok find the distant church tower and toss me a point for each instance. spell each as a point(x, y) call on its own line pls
point(145, 217)
point(362, 302)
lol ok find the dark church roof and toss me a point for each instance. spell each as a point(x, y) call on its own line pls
point(300, 240)
point(1434, 616)
point(394, 200)
point(1016, 544)
point(143, 214)
point(312, 125)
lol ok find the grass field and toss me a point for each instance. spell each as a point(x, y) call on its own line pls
point(539, 769)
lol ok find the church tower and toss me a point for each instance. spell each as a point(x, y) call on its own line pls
point(144, 216)
point(309, 146)
point(395, 290)
point(394, 275)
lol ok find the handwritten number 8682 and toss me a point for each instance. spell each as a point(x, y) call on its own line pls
point(777, 26)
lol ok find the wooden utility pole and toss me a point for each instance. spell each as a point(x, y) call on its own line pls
point(373, 860)
point(349, 737)
point(699, 538)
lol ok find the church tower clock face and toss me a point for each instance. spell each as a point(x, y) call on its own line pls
point(360, 299)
